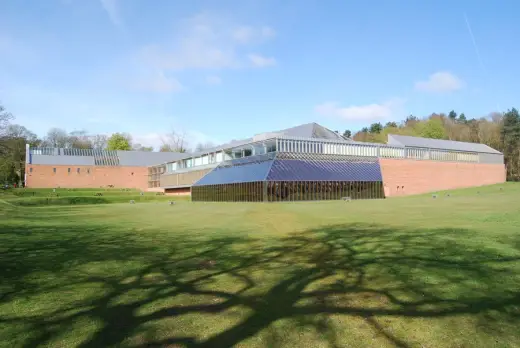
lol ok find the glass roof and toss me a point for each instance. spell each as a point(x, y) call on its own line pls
point(293, 170)
point(256, 171)
point(301, 170)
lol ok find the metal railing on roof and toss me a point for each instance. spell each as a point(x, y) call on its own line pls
point(360, 149)
point(101, 157)
point(248, 160)
point(47, 151)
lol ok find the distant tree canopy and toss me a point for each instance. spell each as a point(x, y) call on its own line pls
point(376, 128)
point(119, 141)
point(5, 119)
point(433, 128)
point(510, 135)
point(12, 148)
point(452, 115)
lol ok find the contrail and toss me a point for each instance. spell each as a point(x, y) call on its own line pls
point(477, 52)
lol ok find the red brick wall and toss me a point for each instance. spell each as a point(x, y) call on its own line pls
point(409, 177)
point(412, 177)
point(43, 176)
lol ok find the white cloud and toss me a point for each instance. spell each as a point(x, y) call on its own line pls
point(243, 34)
point(204, 42)
point(112, 9)
point(268, 32)
point(261, 61)
point(213, 80)
point(160, 83)
point(148, 139)
point(440, 82)
point(248, 34)
point(369, 112)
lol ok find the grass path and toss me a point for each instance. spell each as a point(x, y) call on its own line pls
point(402, 272)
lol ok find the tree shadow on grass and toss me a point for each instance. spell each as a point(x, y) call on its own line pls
point(359, 271)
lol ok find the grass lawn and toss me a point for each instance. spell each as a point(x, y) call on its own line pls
point(401, 272)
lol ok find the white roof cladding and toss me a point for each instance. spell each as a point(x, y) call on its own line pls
point(145, 158)
point(409, 141)
point(308, 130)
point(87, 157)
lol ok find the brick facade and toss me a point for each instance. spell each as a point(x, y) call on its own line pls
point(408, 177)
point(44, 176)
point(401, 177)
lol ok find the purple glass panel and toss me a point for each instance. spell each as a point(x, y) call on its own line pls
point(236, 174)
point(301, 170)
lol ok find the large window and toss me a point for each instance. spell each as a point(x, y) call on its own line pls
point(239, 192)
point(288, 191)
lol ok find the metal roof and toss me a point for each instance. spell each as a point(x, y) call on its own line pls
point(86, 158)
point(61, 160)
point(310, 130)
point(409, 141)
point(145, 158)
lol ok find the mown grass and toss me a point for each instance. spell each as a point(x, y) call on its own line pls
point(71, 200)
point(43, 197)
point(405, 272)
point(61, 192)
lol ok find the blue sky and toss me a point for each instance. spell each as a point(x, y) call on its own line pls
point(221, 70)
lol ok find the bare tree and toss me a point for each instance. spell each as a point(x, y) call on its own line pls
point(204, 146)
point(15, 131)
point(56, 137)
point(496, 117)
point(99, 141)
point(174, 142)
point(5, 118)
point(80, 140)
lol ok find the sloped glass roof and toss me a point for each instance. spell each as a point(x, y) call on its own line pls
point(305, 170)
point(250, 172)
point(293, 170)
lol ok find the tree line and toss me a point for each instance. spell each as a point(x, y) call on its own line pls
point(500, 131)
point(14, 137)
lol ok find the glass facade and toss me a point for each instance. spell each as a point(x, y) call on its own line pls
point(236, 192)
point(288, 191)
